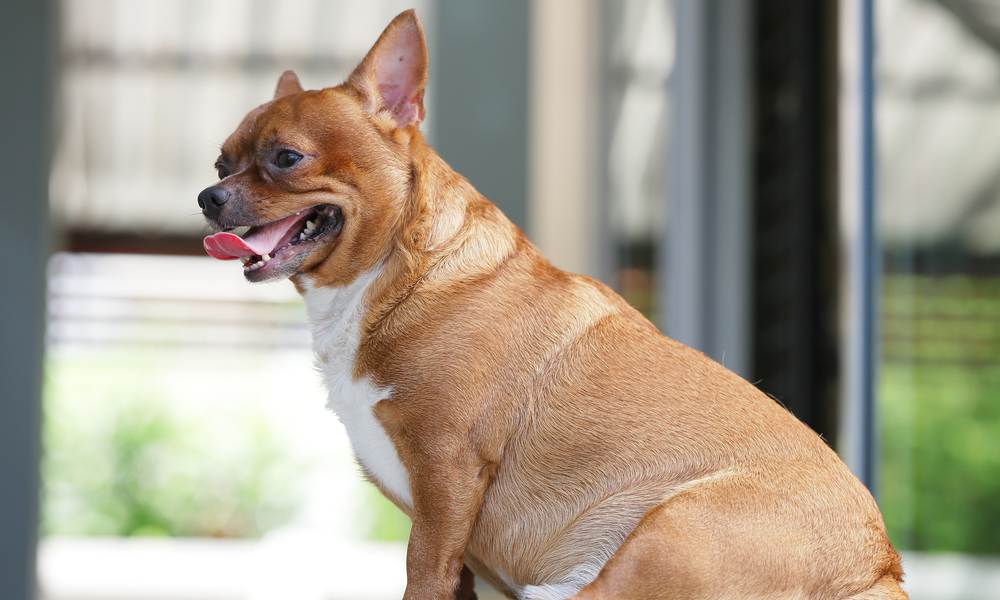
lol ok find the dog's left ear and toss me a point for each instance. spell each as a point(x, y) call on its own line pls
point(288, 84)
point(393, 74)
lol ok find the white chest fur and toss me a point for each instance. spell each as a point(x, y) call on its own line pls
point(335, 316)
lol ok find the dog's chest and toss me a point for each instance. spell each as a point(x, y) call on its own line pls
point(335, 316)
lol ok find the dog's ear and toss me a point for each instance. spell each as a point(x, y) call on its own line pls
point(393, 73)
point(288, 83)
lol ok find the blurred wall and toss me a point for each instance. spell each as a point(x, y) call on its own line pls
point(479, 96)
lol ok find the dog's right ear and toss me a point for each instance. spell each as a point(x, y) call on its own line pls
point(393, 74)
point(288, 84)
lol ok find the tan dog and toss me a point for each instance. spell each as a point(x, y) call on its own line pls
point(532, 424)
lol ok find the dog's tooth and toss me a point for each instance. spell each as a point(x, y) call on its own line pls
point(266, 257)
point(310, 225)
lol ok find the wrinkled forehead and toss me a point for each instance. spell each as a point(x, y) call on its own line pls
point(296, 120)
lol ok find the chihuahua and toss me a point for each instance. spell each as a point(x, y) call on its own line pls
point(538, 431)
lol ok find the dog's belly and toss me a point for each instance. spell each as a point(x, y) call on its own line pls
point(501, 580)
point(554, 548)
point(548, 550)
point(576, 567)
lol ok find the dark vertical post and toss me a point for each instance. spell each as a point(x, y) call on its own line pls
point(795, 208)
point(26, 58)
point(479, 96)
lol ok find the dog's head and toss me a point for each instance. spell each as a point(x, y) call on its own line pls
point(321, 178)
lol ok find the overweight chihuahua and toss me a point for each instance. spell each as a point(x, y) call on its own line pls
point(537, 429)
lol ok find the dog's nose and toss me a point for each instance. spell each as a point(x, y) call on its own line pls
point(211, 200)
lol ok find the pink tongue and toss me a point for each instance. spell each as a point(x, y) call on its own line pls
point(259, 240)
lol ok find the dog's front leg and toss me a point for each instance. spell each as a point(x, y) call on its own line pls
point(466, 586)
point(448, 483)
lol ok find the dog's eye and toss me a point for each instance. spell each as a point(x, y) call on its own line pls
point(222, 170)
point(286, 159)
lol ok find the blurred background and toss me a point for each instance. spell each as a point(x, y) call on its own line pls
point(808, 191)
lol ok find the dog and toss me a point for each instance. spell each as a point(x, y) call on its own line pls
point(538, 431)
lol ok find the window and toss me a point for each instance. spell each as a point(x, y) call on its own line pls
point(938, 103)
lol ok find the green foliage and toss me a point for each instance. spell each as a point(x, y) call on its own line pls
point(121, 460)
point(940, 414)
point(388, 523)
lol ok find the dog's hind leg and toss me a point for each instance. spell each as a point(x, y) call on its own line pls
point(740, 537)
point(466, 585)
point(653, 563)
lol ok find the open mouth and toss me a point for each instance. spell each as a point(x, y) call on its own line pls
point(280, 247)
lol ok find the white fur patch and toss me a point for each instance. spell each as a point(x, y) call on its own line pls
point(576, 581)
point(335, 315)
point(558, 591)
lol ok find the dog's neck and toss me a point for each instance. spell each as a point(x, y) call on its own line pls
point(449, 232)
point(439, 203)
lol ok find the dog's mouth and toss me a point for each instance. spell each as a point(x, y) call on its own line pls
point(278, 248)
